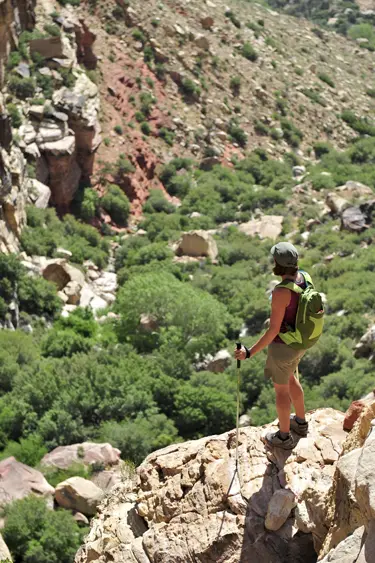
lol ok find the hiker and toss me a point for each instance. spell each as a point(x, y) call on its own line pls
point(295, 325)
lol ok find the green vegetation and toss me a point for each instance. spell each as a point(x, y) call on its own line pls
point(15, 115)
point(118, 129)
point(362, 125)
point(237, 134)
point(190, 89)
point(235, 85)
point(249, 52)
point(21, 87)
point(314, 96)
point(233, 18)
point(71, 2)
point(33, 532)
point(145, 128)
point(324, 77)
point(52, 29)
point(116, 204)
point(45, 233)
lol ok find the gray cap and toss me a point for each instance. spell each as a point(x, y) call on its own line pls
point(285, 254)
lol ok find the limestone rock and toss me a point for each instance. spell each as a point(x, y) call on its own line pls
point(279, 508)
point(197, 243)
point(268, 226)
point(353, 220)
point(220, 362)
point(18, 481)
point(337, 203)
point(354, 191)
point(196, 511)
point(87, 453)
point(202, 42)
point(4, 551)
point(365, 481)
point(348, 550)
point(81, 519)
point(78, 494)
point(39, 193)
point(62, 274)
point(366, 345)
point(48, 47)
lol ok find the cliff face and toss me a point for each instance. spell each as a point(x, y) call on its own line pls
point(14, 17)
point(189, 505)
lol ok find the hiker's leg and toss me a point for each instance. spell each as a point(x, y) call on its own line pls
point(283, 406)
point(297, 396)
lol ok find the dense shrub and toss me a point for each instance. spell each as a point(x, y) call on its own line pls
point(15, 115)
point(249, 52)
point(116, 204)
point(22, 87)
point(34, 533)
point(360, 124)
point(324, 77)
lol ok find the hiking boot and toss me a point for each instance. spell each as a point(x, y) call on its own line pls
point(298, 428)
point(274, 439)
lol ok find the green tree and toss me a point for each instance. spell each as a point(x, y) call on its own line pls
point(36, 534)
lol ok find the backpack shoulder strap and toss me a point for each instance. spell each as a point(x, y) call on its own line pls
point(308, 278)
point(290, 285)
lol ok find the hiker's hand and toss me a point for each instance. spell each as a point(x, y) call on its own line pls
point(240, 354)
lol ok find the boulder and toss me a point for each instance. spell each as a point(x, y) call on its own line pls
point(336, 203)
point(197, 243)
point(299, 171)
point(365, 347)
point(268, 226)
point(197, 508)
point(78, 494)
point(48, 48)
point(353, 220)
point(348, 550)
point(207, 22)
point(87, 453)
point(39, 193)
point(61, 273)
point(106, 480)
point(353, 413)
point(18, 481)
point(365, 480)
point(4, 551)
point(220, 362)
point(279, 509)
point(81, 519)
point(354, 191)
point(202, 42)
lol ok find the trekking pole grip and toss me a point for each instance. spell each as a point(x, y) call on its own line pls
point(239, 346)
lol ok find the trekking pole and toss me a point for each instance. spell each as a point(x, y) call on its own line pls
point(239, 346)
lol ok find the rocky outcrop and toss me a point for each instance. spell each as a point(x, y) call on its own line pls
point(191, 505)
point(268, 226)
point(78, 494)
point(13, 198)
point(350, 507)
point(87, 453)
point(18, 481)
point(4, 551)
point(15, 16)
point(197, 244)
point(68, 279)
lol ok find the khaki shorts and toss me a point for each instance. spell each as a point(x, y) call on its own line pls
point(282, 362)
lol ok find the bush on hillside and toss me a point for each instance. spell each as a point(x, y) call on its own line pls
point(249, 52)
point(116, 204)
point(15, 115)
point(34, 533)
point(23, 88)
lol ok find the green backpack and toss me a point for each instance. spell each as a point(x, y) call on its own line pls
point(309, 318)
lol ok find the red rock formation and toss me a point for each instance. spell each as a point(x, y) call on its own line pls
point(85, 40)
point(353, 413)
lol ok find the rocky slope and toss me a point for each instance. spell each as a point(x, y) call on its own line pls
point(188, 61)
point(189, 504)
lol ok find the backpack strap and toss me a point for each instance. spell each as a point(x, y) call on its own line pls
point(288, 284)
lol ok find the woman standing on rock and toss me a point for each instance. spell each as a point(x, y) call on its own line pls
point(296, 324)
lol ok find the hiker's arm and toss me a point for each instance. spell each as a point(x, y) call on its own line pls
point(280, 301)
